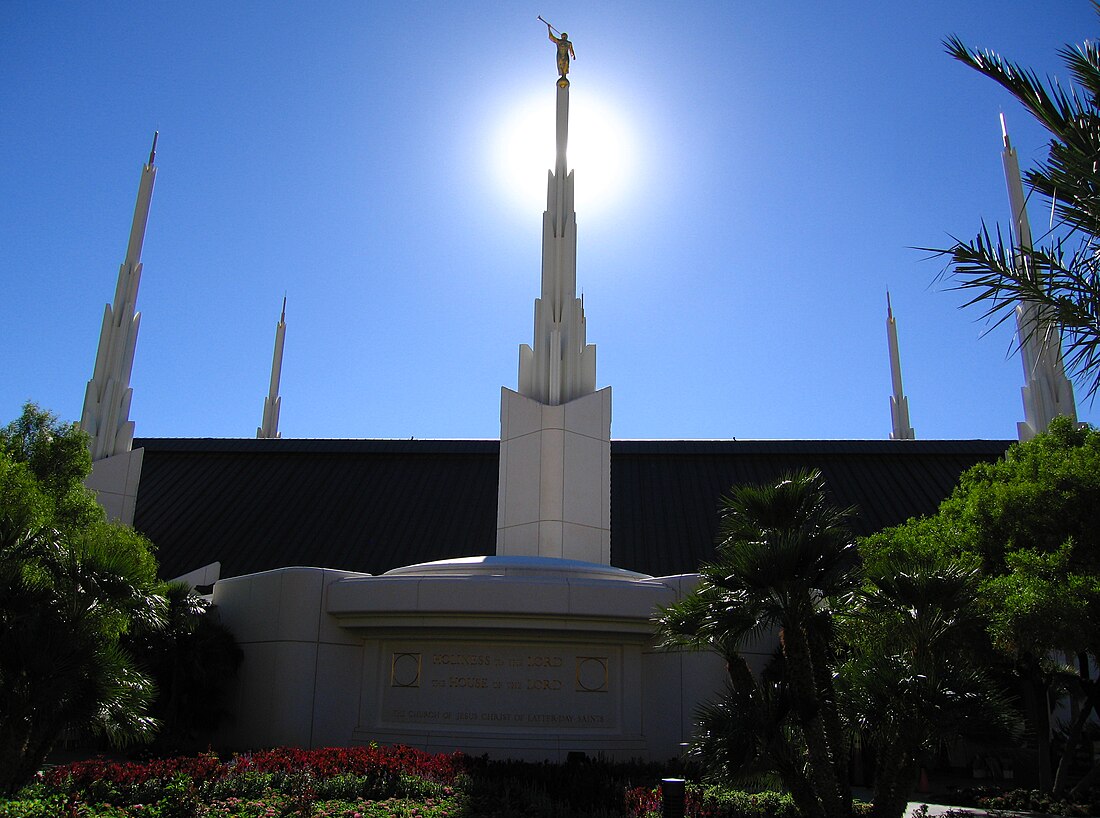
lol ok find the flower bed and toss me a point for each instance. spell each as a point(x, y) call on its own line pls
point(345, 782)
point(367, 782)
point(992, 798)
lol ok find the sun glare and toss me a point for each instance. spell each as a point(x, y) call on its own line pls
point(600, 152)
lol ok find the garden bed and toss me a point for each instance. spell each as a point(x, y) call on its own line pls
point(390, 782)
point(366, 782)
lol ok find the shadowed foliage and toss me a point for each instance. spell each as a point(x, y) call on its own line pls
point(883, 651)
point(783, 553)
point(71, 584)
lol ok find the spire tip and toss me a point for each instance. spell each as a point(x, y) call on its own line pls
point(153, 150)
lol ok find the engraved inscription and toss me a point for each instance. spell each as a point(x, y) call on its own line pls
point(500, 686)
point(461, 659)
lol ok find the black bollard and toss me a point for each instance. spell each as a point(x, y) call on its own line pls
point(672, 797)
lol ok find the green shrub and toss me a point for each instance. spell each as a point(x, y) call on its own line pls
point(727, 803)
point(48, 807)
point(248, 784)
point(179, 799)
point(1037, 801)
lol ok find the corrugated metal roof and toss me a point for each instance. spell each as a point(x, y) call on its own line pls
point(373, 505)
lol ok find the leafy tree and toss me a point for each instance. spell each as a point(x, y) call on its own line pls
point(1060, 274)
point(1030, 523)
point(71, 585)
point(1035, 523)
point(58, 457)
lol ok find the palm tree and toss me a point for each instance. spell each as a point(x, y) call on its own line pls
point(783, 553)
point(192, 659)
point(1059, 275)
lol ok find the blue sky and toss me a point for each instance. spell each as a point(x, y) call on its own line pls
point(781, 160)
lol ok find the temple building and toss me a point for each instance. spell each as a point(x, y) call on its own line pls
point(486, 595)
point(229, 507)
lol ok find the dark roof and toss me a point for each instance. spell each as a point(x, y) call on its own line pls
point(373, 505)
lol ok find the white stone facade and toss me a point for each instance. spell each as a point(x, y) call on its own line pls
point(523, 658)
point(115, 480)
point(554, 494)
point(554, 490)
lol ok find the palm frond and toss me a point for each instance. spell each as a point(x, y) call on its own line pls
point(1083, 62)
point(1055, 108)
point(1061, 283)
point(997, 278)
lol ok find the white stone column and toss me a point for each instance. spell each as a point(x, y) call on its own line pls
point(554, 495)
point(116, 469)
point(1047, 392)
point(899, 404)
point(106, 414)
point(269, 425)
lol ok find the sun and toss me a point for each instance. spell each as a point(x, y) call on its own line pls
point(601, 152)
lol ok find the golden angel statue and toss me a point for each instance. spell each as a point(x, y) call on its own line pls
point(565, 51)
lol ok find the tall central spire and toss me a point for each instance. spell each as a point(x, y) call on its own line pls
point(559, 365)
point(554, 486)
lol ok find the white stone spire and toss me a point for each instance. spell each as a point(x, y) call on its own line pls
point(1047, 393)
point(554, 487)
point(899, 404)
point(559, 365)
point(269, 427)
point(106, 414)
